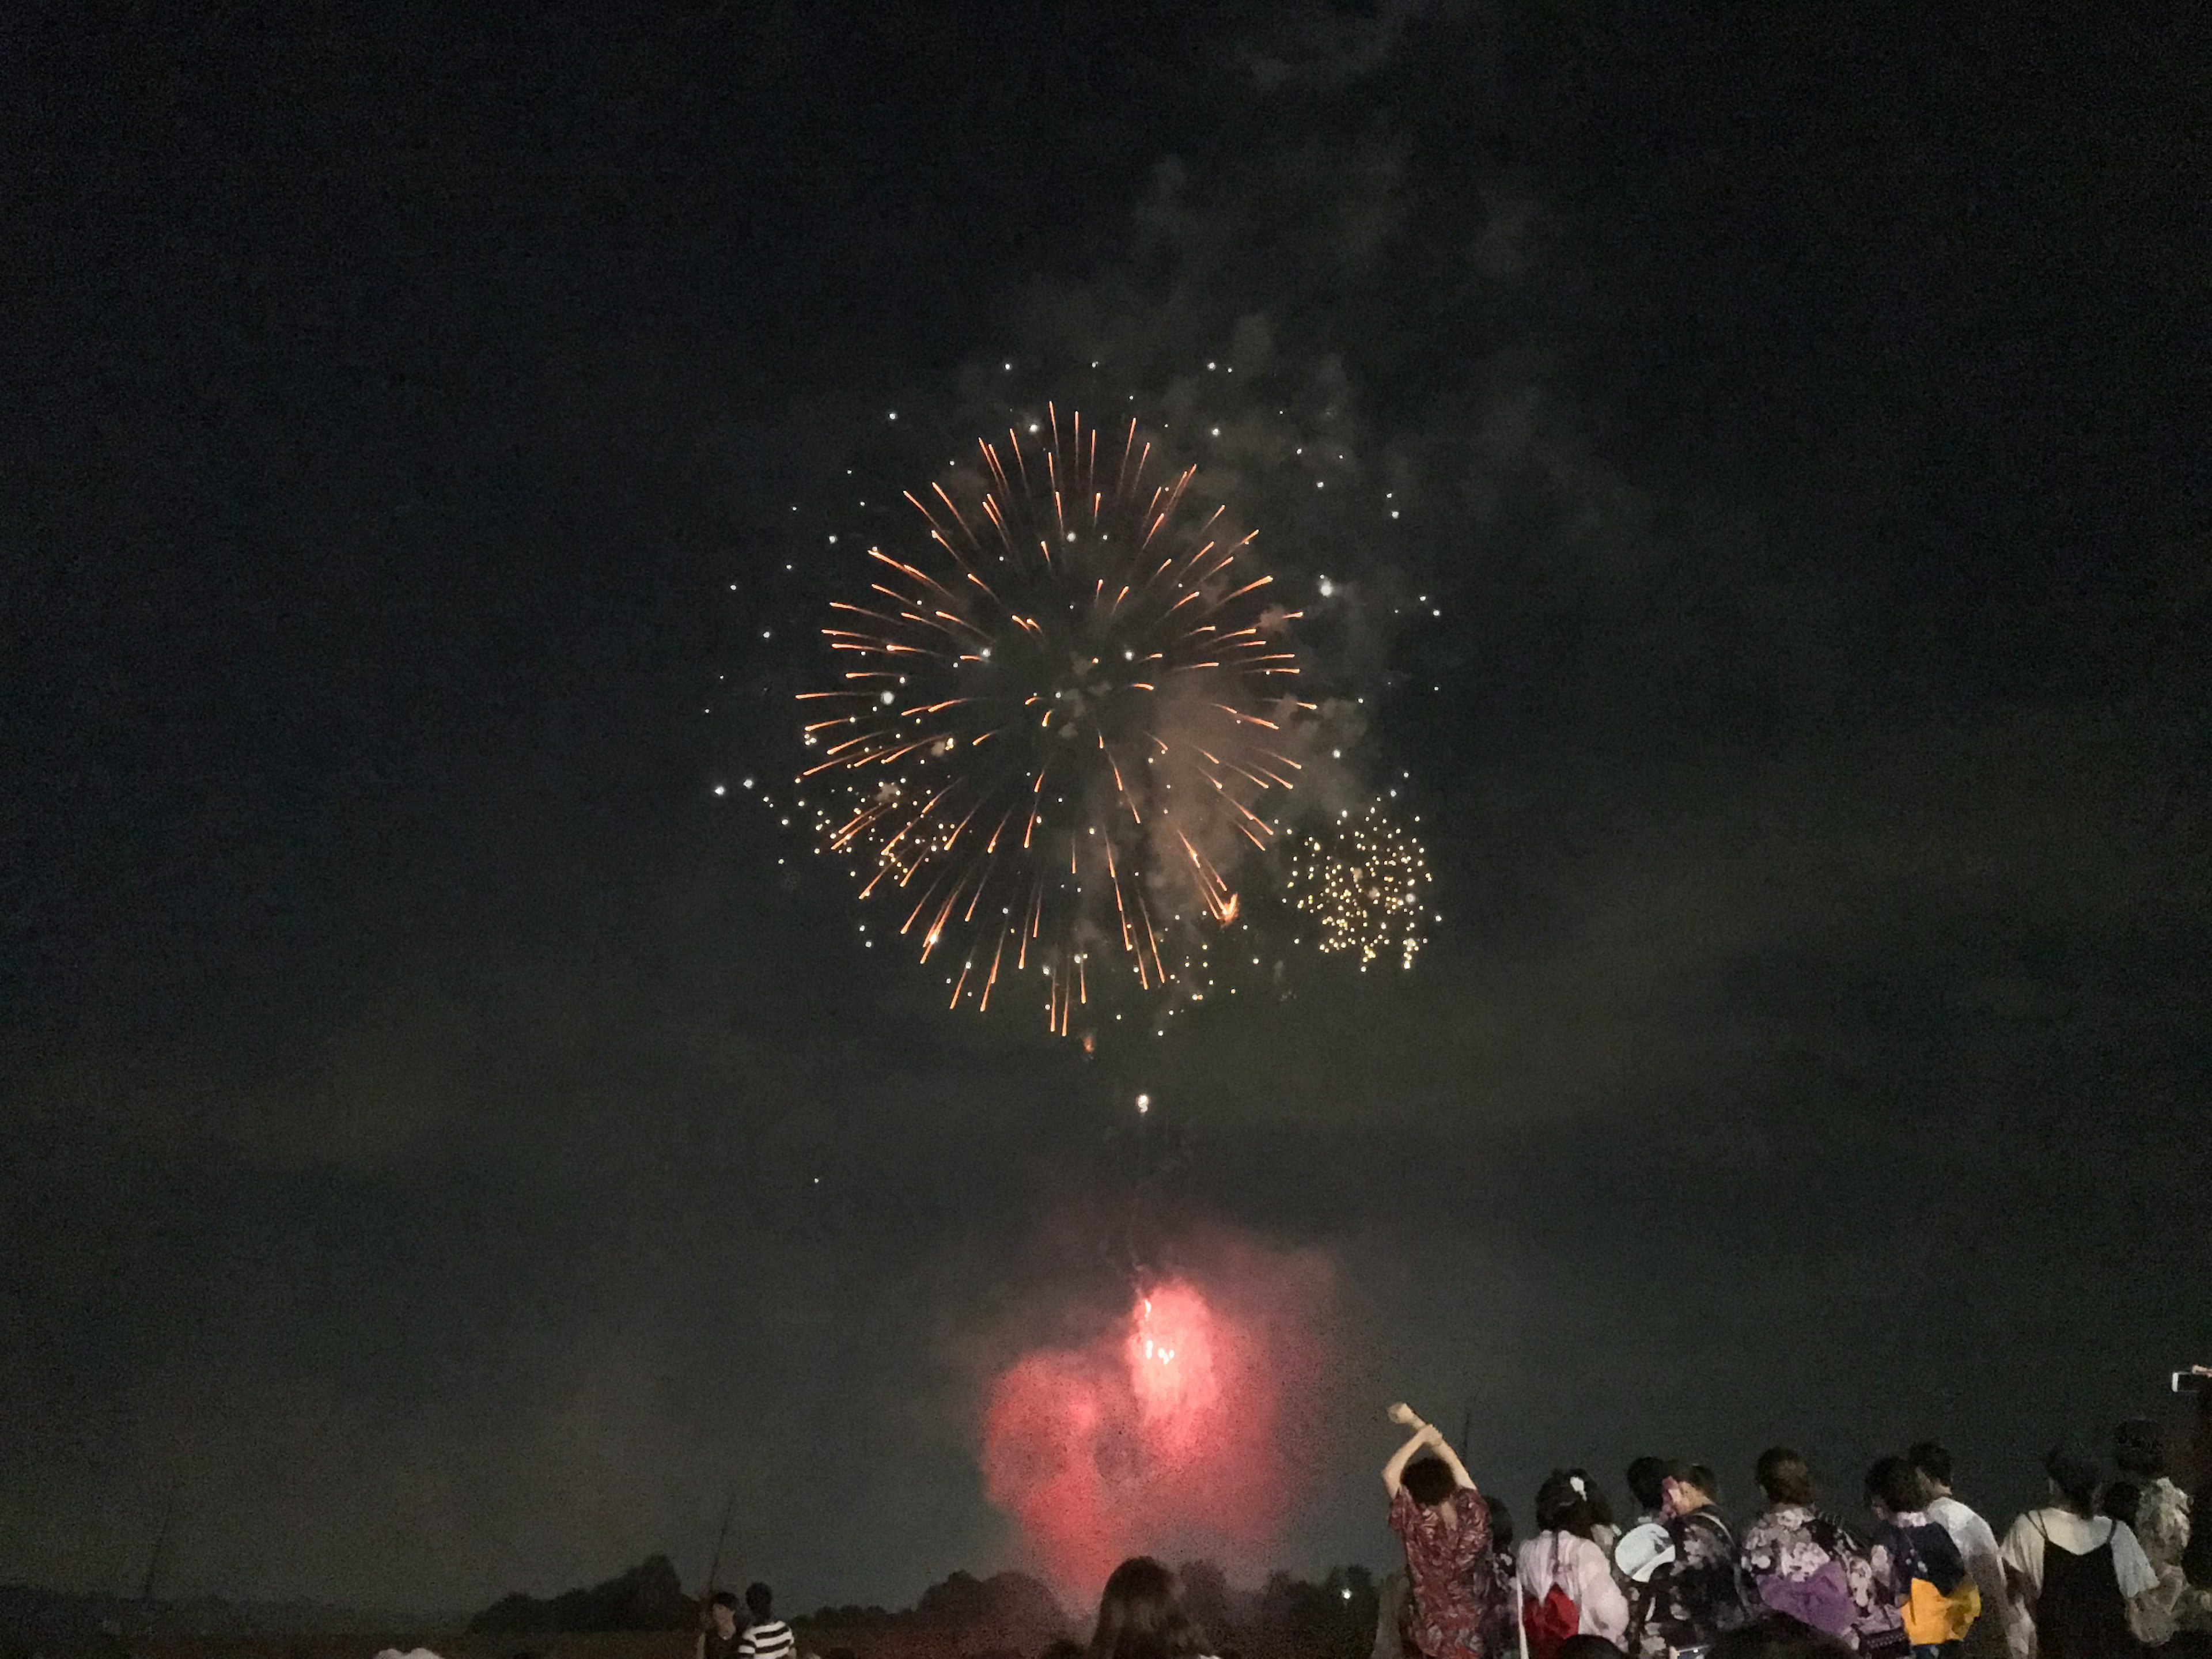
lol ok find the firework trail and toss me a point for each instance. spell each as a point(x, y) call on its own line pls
point(1065, 715)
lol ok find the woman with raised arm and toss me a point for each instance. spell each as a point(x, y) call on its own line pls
point(1445, 1525)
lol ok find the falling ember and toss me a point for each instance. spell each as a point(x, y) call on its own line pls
point(1362, 882)
point(1059, 720)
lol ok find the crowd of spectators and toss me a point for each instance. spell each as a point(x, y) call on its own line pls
point(2102, 1568)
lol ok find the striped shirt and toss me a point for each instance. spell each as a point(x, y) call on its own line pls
point(772, 1640)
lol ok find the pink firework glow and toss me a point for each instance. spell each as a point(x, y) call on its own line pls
point(1168, 1433)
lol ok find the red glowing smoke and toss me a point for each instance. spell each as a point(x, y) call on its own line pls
point(1168, 1432)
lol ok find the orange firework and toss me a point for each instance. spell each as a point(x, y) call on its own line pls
point(1064, 714)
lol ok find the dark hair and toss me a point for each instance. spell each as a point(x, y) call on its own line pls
point(2074, 1475)
point(1931, 1460)
point(1501, 1523)
point(1776, 1636)
point(1139, 1616)
point(1586, 1646)
point(2139, 1448)
point(725, 1599)
point(1560, 1507)
point(759, 1598)
point(2121, 1501)
point(1784, 1477)
point(1701, 1477)
point(1593, 1495)
point(1895, 1484)
point(1647, 1480)
point(1429, 1480)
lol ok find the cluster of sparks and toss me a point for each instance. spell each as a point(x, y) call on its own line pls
point(1362, 881)
point(1062, 720)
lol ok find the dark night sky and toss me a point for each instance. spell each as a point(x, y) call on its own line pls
point(414, 1080)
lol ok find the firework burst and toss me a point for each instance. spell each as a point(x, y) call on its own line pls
point(1361, 881)
point(1066, 713)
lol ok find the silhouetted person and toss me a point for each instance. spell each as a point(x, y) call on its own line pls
point(1691, 1594)
point(1393, 1599)
point(2159, 1517)
point(1141, 1617)
point(1977, 1547)
point(1605, 1531)
point(2074, 1570)
point(1647, 1484)
point(1566, 1584)
point(1917, 1565)
point(766, 1636)
point(1806, 1564)
point(719, 1635)
point(1644, 1543)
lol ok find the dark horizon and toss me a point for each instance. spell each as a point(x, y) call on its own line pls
point(451, 1150)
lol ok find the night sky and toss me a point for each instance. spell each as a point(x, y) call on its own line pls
point(446, 1151)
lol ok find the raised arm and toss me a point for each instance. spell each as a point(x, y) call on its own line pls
point(1459, 1476)
point(1423, 1435)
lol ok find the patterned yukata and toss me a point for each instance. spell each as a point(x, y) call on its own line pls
point(1792, 1542)
point(1449, 1565)
point(2162, 1529)
point(1688, 1602)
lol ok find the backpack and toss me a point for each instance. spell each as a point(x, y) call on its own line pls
point(1550, 1622)
point(1939, 1602)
